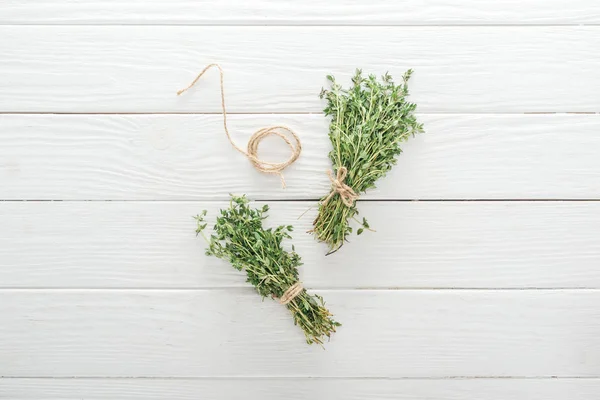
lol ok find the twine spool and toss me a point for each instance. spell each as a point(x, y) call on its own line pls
point(252, 150)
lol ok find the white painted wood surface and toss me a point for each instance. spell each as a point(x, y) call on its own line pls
point(459, 297)
point(306, 12)
point(216, 333)
point(417, 245)
point(300, 389)
point(282, 69)
point(186, 157)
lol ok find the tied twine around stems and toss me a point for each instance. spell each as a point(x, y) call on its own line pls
point(252, 152)
point(291, 293)
point(347, 194)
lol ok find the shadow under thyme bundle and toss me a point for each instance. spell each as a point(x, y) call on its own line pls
point(369, 121)
point(239, 237)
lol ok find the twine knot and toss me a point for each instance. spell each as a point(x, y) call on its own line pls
point(252, 153)
point(291, 293)
point(347, 194)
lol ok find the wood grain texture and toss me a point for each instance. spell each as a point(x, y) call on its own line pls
point(299, 389)
point(282, 69)
point(449, 300)
point(417, 245)
point(228, 333)
point(188, 157)
point(307, 12)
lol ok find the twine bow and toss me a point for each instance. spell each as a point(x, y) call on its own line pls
point(252, 152)
point(291, 293)
point(347, 194)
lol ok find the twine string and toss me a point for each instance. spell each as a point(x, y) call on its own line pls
point(291, 293)
point(252, 152)
point(347, 194)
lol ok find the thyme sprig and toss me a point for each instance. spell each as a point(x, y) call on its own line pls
point(239, 237)
point(369, 121)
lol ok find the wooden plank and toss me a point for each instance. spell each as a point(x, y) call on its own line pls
point(307, 12)
point(180, 157)
point(275, 389)
point(139, 68)
point(229, 333)
point(417, 245)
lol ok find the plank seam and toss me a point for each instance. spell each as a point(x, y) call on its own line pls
point(321, 288)
point(314, 200)
point(280, 24)
point(284, 113)
point(365, 378)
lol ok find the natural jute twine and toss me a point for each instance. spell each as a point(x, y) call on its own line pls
point(251, 153)
point(347, 194)
point(291, 293)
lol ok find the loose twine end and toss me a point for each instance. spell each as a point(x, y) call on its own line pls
point(252, 150)
point(291, 293)
point(347, 194)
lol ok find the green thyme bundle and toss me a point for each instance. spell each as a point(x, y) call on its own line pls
point(369, 121)
point(240, 238)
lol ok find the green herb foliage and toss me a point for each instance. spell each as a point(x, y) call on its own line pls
point(239, 237)
point(369, 121)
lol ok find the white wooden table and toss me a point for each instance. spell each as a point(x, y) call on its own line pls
point(485, 288)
